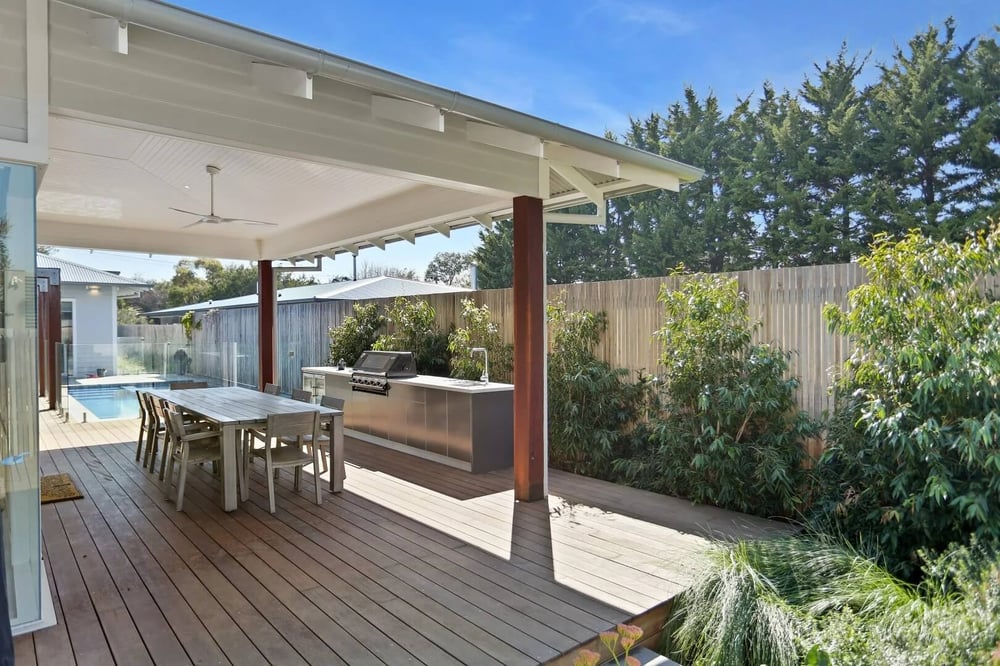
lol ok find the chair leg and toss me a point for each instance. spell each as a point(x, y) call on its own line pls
point(150, 435)
point(182, 478)
point(168, 446)
point(317, 454)
point(323, 456)
point(270, 485)
point(170, 476)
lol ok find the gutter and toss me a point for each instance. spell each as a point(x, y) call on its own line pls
point(261, 46)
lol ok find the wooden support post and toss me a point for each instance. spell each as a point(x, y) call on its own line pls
point(267, 320)
point(54, 337)
point(530, 395)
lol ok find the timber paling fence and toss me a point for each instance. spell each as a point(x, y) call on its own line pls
point(787, 301)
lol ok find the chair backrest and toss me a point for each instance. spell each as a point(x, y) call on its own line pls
point(293, 425)
point(180, 386)
point(142, 404)
point(151, 411)
point(331, 402)
point(273, 389)
point(302, 395)
point(175, 423)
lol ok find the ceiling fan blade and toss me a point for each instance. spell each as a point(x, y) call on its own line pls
point(187, 212)
point(246, 221)
point(196, 222)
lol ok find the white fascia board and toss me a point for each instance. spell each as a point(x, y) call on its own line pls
point(646, 176)
point(283, 80)
point(573, 176)
point(407, 112)
point(556, 152)
point(600, 219)
point(501, 137)
point(144, 241)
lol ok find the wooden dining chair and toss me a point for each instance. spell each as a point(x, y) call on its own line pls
point(302, 395)
point(188, 447)
point(191, 425)
point(278, 454)
point(272, 389)
point(155, 432)
point(324, 436)
point(144, 421)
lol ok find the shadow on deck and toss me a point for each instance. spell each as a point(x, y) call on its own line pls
point(414, 562)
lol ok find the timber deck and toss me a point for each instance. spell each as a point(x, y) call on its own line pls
point(414, 562)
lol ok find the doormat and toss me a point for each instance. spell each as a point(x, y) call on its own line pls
point(58, 488)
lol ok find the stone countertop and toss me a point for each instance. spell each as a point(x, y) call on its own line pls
point(426, 381)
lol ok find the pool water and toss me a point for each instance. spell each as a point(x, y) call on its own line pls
point(110, 402)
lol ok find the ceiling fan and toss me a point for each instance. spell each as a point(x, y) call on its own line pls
point(211, 217)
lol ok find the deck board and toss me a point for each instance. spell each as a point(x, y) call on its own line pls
point(414, 563)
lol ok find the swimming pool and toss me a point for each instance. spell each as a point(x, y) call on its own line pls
point(108, 402)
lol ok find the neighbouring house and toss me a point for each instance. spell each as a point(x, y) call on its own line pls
point(356, 290)
point(89, 316)
point(304, 314)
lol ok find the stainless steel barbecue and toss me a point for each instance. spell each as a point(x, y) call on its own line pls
point(374, 369)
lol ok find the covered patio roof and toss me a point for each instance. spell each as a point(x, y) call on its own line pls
point(337, 155)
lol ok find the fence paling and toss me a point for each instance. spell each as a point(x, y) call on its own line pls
point(788, 302)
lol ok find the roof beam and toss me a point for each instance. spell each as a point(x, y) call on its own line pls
point(283, 80)
point(485, 220)
point(410, 236)
point(442, 229)
point(377, 242)
point(501, 137)
point(598, 219)
point(573, 176)
point(646, 176)
point(110, 34)
point(556, 152)
point(408, 113)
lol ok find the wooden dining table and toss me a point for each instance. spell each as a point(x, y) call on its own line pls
point(234, 409)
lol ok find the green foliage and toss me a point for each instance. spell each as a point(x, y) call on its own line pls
point(815, 600)
point(756, 602)
point(449, 268)
point(810, 175)
point(914, 459)
point(732, 434)
point(356, 334)
point(479, 331)
point(414, 328)
point(593, 408)
point(575, 253)
point(129, 313)
point(190, 324)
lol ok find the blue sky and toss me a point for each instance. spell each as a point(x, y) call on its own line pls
point(588, 64)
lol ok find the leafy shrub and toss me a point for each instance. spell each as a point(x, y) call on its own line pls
point(913, 460)
point(732, 434)
point(593, 408)
point(479, 331)
point(355, 334)
point(414, 328)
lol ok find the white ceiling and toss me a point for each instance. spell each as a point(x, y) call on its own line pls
point(129, 179)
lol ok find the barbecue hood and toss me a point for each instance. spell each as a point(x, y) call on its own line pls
point(373, 369)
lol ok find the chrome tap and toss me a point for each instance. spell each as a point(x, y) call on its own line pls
point(486, 363)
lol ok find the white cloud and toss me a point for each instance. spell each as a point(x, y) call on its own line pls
point(647, 14)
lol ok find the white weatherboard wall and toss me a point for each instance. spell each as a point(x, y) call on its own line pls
point(13, 72)
point(95, 327)
point(24, 81)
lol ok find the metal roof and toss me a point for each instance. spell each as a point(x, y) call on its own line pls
point(357, 290)
point(74, 273)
